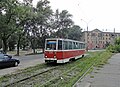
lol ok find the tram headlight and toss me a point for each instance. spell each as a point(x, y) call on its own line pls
point(54, 56)
point(45, 56)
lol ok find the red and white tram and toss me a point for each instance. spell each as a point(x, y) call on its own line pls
point(63, 50)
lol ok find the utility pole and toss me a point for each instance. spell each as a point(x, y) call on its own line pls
point(87, 32)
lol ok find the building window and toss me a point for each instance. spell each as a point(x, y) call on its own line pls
point(88, 34)
point(88, 37)
point(93, 34)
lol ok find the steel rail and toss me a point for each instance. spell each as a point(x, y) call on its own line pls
point(81, 77)
point(8, 85)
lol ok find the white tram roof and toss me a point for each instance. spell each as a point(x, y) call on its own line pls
point(64, 39)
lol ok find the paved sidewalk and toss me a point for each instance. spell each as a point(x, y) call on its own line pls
point(108, 76)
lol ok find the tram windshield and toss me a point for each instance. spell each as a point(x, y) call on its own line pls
point(51, 45)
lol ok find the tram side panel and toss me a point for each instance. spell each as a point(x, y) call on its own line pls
point(63, 56)
point(67, 55)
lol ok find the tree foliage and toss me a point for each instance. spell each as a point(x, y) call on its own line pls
point(23, 25)
point(75, 33)
point(117, 41)
point(8, 16)
point(116, 47)
point(62, 23)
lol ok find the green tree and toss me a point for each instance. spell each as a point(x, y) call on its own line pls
point(8, 16)
point(12, 42)
point(75, 33)
point(24, 43)
point(30, 26)
point(26, 23)
point(62, 23)
point(44, 14)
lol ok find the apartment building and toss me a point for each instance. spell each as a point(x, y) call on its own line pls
point(97, 39)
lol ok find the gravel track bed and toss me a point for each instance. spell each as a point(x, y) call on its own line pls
point(39, 79)
point(54, 77)
point(23, 74)
point(50, 76)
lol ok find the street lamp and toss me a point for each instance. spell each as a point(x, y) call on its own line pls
point(87, 32)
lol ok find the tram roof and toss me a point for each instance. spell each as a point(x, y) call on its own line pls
point(64, 39)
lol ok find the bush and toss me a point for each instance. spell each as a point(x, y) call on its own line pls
point(117, 48)
point(110, 48)
point(114, 48)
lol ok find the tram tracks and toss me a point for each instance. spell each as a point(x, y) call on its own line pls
point(42, 78)
point(66, 76)
point(82, 76)
point(53, 76)
point(25, 74)
point(59, 77)
point(29, 77)
point(45, 77)
point(99, 61)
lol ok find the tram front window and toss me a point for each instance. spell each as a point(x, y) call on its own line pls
point(51, 45)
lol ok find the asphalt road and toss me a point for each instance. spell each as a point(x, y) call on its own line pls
point(25, 61)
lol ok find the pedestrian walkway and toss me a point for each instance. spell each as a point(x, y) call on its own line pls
point(107, 76)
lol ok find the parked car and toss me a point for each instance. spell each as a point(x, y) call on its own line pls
point(8, 61)
point(2, 52)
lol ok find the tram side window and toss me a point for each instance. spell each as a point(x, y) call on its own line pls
point(76, 46)
point(59, 45)
point(70, 45)
point(80, 46)
point(73, 45)
point(84, 46)
point(65, 45)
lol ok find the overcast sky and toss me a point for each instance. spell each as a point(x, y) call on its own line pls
point(101, 14)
